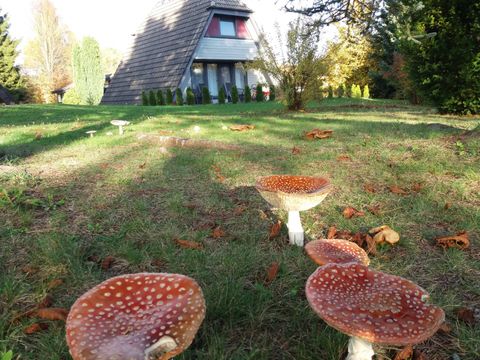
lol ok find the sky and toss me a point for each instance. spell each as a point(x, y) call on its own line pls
point(111, 22)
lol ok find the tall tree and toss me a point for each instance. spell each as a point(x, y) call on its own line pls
point(9, 73)
point(47, 56)
point(88, 73)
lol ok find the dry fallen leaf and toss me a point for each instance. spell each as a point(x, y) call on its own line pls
point(447, 206)
point(107, 262)
point(51, 314)
point(397, 190)
point(242, 127)
point(344, 158)
point(370, 188)
point(417, 187)
point(142, 166)
point(34, 328)
point(54, 284)
point(239, 210)
point(385, 234)
point(371, 245)
point(272, 272)
point(350, 212)
point(466, 315)
point(459, 241)
point(332, 231)
point(358, 239)
point(405, 354)
point(218, 233)
point(296, 150)
point(29, 270)
point(344, 235)
point(186, 244)
point(374, 209)
point(46, 302)
point(318, 134)
point(38, 135)
point(275, 230)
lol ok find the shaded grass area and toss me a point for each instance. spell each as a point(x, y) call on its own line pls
point(129, 198)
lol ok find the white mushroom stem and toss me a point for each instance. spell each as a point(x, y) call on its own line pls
point(295, 229)
point(162, 346)
point(359, 349)
point(120, 129)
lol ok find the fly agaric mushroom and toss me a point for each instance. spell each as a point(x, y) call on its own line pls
point(371, 307)
point(136, 317)
point(293, 194)
point(120, 124)
point(328, 251)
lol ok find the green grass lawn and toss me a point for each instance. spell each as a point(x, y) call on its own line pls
point(73, 201)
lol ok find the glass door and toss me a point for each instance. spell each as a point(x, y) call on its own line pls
point(212, 79)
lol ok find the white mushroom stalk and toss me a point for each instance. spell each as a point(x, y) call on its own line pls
point(294, 194)
point(120, 124)
point(359, 349)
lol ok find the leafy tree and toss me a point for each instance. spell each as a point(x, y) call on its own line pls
point(272, 95)
point(152, 99)
point(144, 98)
point(111, 58)
point(71, 97)
point(206, 97)
point(9, 73)
point(234, 94)
point(190, 96)
point(366, 92)
point(259, 96)
point(248, 94)
point(160, 98)
point(297, 69)
point(179, 97)
point(88, 72)
point(169, 97)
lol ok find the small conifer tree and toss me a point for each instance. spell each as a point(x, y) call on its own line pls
point(179, 96)
point(259, 97)
point(353, 91)
point(221, 96)
point(169, 97)
point(248, 94)
point(160, 98)
point(330, 92)
point(190, 96)
point(206, 98)
point(272, 93)
point(152, 100)
point(234, 94)
point(366, 92)
point(144, 98)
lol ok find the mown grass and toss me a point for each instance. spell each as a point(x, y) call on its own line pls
point(80, 199)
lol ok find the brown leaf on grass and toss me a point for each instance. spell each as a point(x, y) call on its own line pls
point(350, 212)
point(371, 245)
point(272, 272)
point(405, 354)
point(38, 135)
point(186, 244)
point(46, 302)
point(242, 127)
point(296, 150)
point(385, 234)
point(239, 210)
point(142, 166)
point(459, 241)
point(318, 134)
point(205, 225)
point(358, 238)
point(417, 187)
point(370, 188)
point(344, 235)
point(34, 328)
point(107, 263)
point(29, 270)
point(466, 315)
point(218, 173)
point(218, 233)
point(51, 314)
point(344, 158)
point(332, 231)
point(447, 206)
point(275, 230)
point(54, 284)
point(397, 190)
point(374, 209)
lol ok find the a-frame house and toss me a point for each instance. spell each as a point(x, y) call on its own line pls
point(188, 43)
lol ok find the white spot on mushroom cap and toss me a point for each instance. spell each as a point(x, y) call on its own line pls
point(125, 329)
point(372, 305)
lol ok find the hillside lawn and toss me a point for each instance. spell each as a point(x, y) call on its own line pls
point(70, 201)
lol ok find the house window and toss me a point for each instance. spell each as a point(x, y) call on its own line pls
point(227, 28)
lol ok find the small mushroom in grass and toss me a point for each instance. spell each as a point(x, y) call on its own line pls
point(91, 133)
point(294, 194)
point(328, 251)
point(385, 234)
point(372, 307)
point(136, 317)
point(120, 124)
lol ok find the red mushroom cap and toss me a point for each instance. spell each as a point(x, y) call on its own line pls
point(380, 308)
point(328, 251)
point(124, 316)
point(293, 193)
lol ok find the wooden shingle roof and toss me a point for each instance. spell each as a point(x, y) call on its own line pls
point(162, 48)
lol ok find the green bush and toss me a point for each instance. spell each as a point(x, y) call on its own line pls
point(248, 94)
point(234, 94)
point(169, 97)
point(160, 98)
point(144, 98)
point(152, 99)
point(190, 96)
point(355, 91)
point(259, 97)
point(71, 97)
point(366, 92)
point(330, 92)
point(272, 93)
point(206, 98)
point(179, 96)
point(221, 96)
